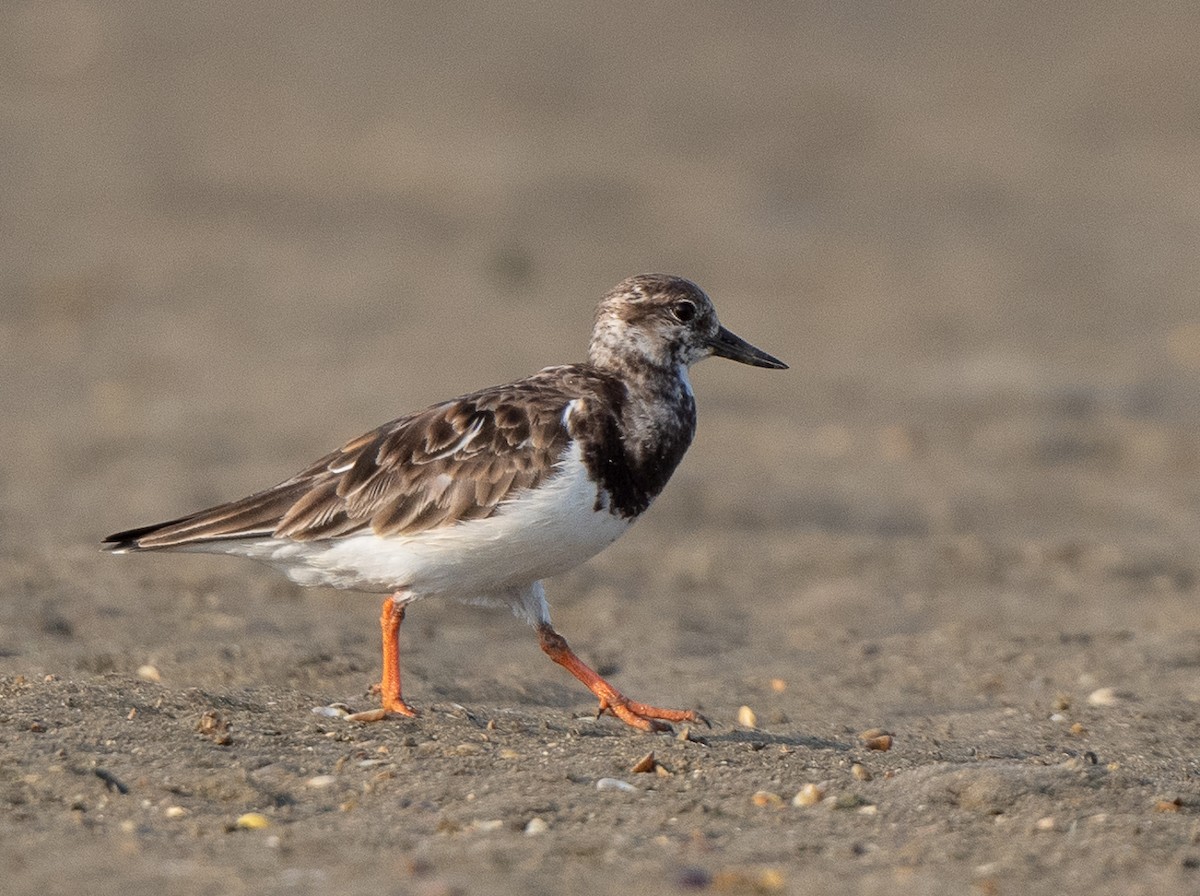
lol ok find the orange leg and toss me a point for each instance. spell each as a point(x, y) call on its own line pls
point(390, 617)
point(639, 715)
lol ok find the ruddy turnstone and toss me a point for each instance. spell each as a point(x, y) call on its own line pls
point(481, 497)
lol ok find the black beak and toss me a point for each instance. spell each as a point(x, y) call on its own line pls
point(735, 348)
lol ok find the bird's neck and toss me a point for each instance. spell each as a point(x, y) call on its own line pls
point(659, 415)
point(633, 452)
point(646, 374)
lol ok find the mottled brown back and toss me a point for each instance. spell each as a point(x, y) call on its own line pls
point(459, 460)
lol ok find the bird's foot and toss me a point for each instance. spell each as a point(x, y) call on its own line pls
point(643, 716)
point(391, 704)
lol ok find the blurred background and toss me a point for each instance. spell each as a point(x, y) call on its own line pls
point(237, 234)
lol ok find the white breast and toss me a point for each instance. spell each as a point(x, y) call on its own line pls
point(544, 531)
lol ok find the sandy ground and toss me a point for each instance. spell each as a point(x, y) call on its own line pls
point(239, 234)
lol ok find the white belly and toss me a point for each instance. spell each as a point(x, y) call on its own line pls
point(545, 531)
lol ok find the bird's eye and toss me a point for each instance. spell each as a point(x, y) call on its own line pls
point(684, 310)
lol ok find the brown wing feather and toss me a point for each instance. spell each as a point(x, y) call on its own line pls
point(454, 461)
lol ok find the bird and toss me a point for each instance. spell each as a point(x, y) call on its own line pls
point(482, 497)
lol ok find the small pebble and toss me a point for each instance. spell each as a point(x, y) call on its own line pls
point(211, 721)
point(746, 717)
point(367, 715)
point(1171, 805)
point(869, 809)
point(645, 765)
point(615, 784)
point(487, 826)
point(757, 880)
point(175, 812)
point(808, 795)
point(536, 826)
point(148, 673)
point(764, 799)
point(1044, 824)
point(860, 772)
point(212, 724)
point(1103, 697)
point(876, 739)
point(252, 821)
point(332, 711)
point(778, 685)
point(319, 781)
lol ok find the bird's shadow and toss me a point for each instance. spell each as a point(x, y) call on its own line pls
point(759, 739)
point(582, 725)
point(755, 739)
